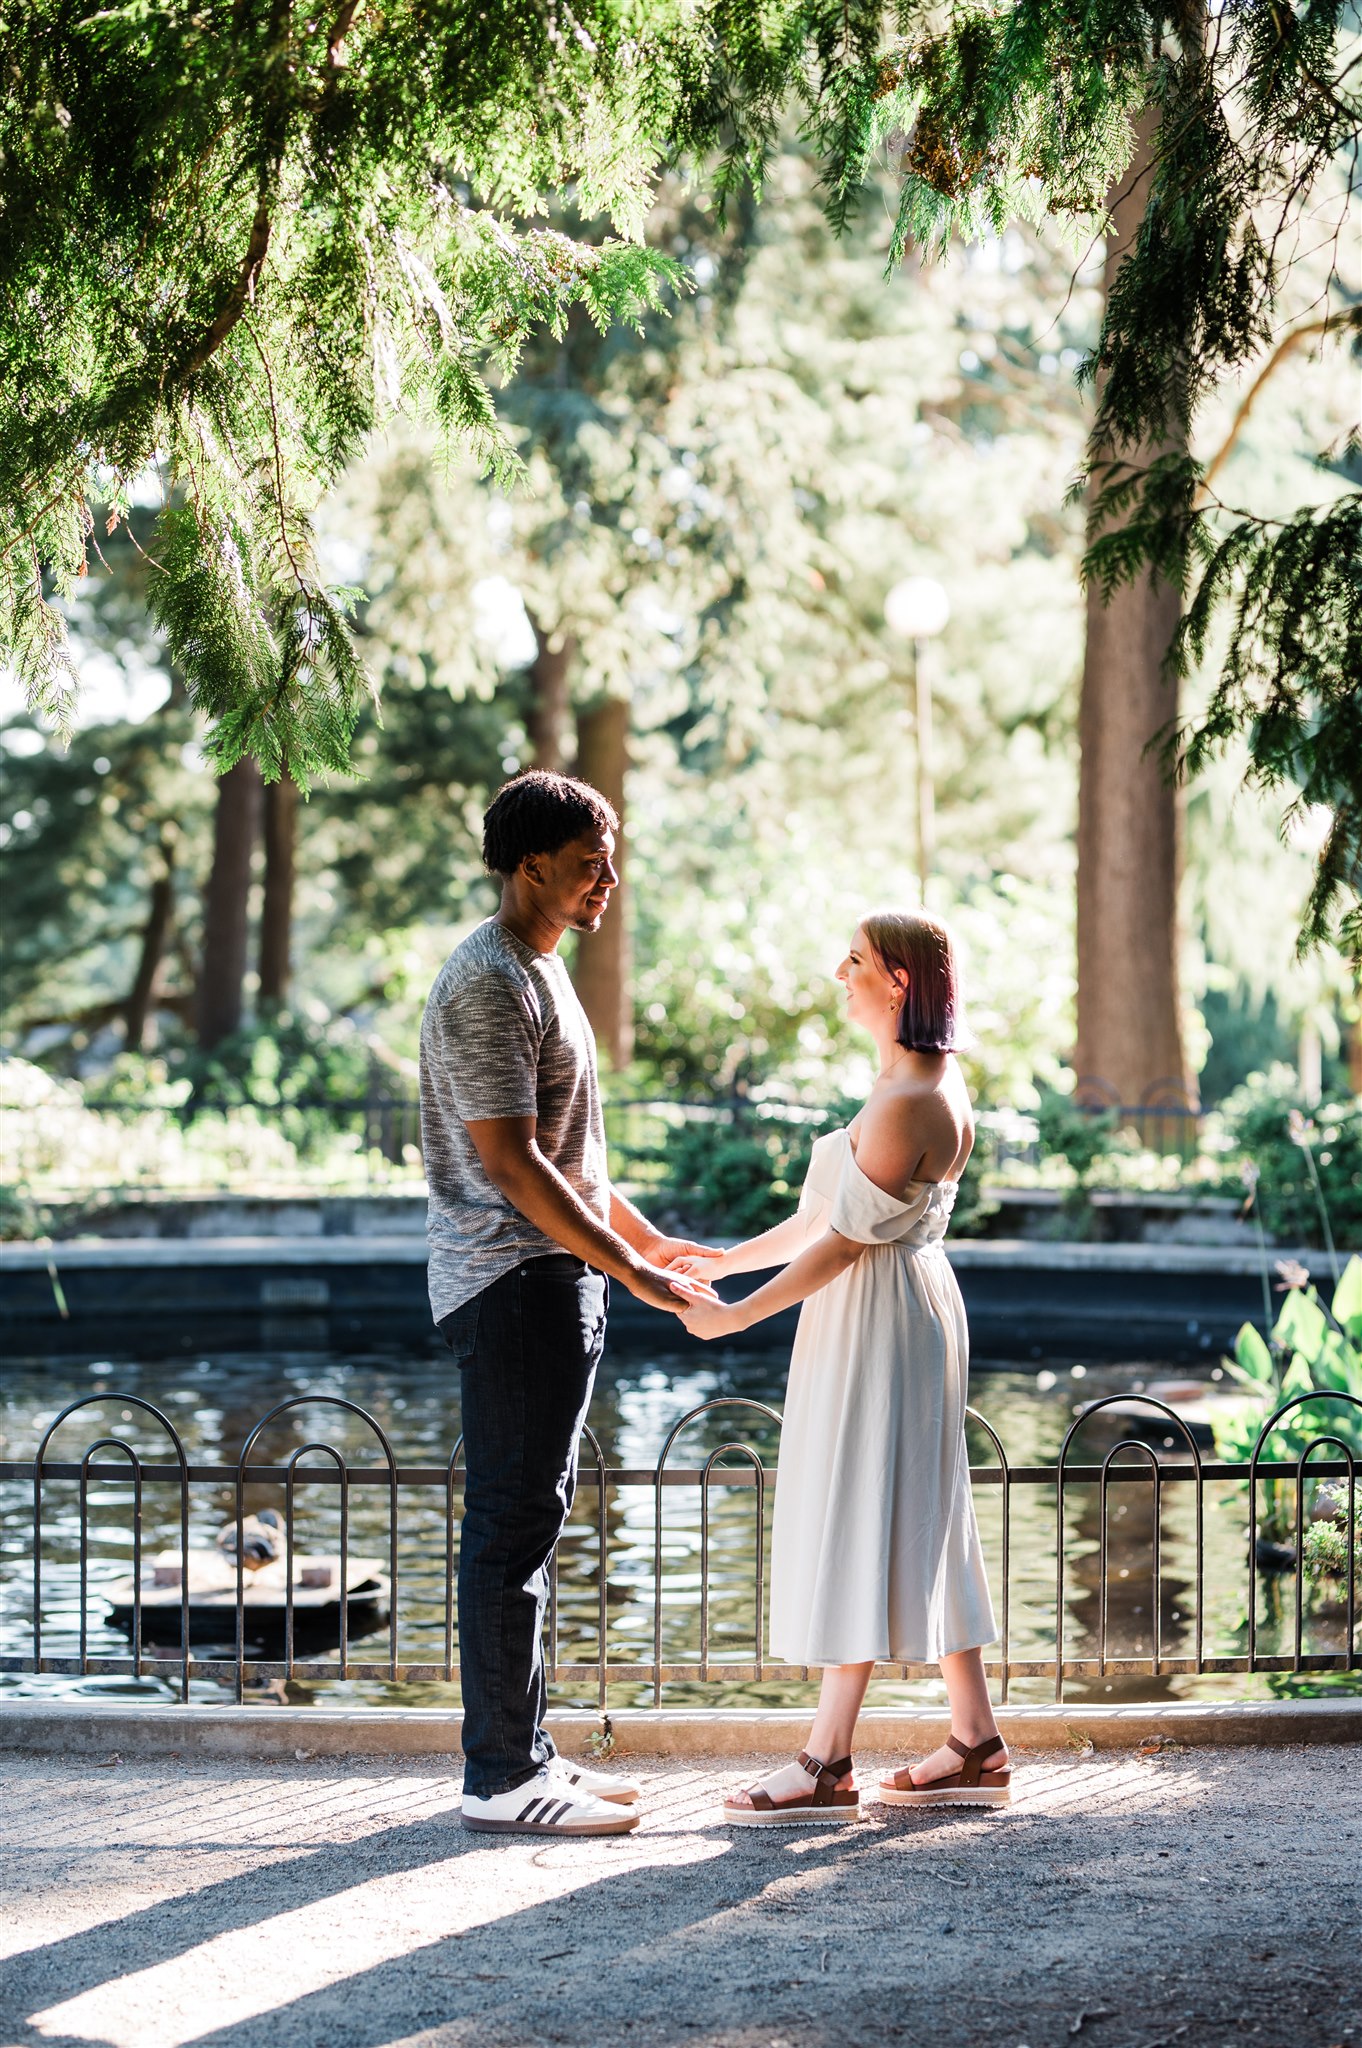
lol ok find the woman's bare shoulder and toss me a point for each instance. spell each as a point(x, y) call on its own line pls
point(914, 1129)
point(898, 1125)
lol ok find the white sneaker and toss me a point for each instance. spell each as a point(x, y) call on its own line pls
point(546, 1805)
point(619, 1791)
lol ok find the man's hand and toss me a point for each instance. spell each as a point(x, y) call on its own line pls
point(671, 1292)
point(713, 1318)
point(665, 1251)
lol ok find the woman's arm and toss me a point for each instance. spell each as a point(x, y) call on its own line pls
point(824, 1259)
point(775, 1247)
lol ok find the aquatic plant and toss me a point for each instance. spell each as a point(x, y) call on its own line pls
point(1311, 1350)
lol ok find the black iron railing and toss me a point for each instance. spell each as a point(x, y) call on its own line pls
point(1232, 1618)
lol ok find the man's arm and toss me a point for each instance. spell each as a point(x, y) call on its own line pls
point(513, 1162)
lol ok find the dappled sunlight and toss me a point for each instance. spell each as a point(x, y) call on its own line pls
point(243, 1975)
point(328, 1905)
point(1103, 1785)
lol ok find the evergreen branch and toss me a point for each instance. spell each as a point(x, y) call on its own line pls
point(1285, 348)
point(1292, 677)
point(242, 293)
point(278, 501)
point(27, 532)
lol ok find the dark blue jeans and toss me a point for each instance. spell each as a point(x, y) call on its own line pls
point(527, 1348)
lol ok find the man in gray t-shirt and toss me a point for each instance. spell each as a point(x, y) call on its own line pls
point(503, 1036)
point(524, 1227)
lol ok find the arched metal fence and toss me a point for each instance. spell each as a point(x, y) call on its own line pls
point(656, 1584)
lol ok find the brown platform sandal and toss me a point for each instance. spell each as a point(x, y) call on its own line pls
point(824, 1803)
point(971, 1785)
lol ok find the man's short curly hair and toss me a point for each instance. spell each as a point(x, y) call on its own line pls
point(539, 812)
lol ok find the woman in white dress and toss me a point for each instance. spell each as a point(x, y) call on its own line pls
point(875, 1550)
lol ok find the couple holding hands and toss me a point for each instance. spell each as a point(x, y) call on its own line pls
point(875, 1551)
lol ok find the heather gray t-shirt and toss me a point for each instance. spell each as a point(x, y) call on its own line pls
point(503, 1035)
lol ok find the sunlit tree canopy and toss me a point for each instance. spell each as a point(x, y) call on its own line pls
point(235, 238)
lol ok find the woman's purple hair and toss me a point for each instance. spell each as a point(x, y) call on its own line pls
point(912, 945)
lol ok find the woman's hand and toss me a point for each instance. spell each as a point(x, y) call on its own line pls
point(708, 1321)
point(700, 1265)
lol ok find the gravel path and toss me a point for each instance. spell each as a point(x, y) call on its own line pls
point(1170, 1900)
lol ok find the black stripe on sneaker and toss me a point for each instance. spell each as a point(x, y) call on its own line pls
point(551, 1820)
point(530, 1810)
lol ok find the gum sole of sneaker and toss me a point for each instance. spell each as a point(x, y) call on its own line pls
point(953, 1796)
point(746, 1817)
point(626, 1823)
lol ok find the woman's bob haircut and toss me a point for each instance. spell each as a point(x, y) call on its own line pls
point(913, 948)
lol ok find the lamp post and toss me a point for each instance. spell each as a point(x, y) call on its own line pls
point(916, 610)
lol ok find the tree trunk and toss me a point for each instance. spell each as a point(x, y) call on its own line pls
point(550, 708)
point(1130, 1045)
point(601, 972)
point(139, 1012)
point(222, 971)
point(276, 910)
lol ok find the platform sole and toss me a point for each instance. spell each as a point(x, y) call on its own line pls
point(950, 1795)
point(626, 1823)
point(789, 1817)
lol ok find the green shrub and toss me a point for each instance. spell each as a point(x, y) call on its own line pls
point(1084, 1137)
point(739, 1178)
point(1270, 1127)
point(1326, 1539)
point(282, 1059)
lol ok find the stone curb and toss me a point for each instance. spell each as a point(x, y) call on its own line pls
point(86, 1728)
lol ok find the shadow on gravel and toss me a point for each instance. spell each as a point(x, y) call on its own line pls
point(670, 1947)
point(1118, 1905)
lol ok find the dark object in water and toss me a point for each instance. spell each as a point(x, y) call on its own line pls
point(212, 1600)
point(1194, 1402)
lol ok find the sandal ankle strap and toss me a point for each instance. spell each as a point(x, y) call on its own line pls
point(972, 1758)
point(824, 1775)
point(816, 1768)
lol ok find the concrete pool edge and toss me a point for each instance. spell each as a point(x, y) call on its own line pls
point(86, 1728)
point(129, 1298)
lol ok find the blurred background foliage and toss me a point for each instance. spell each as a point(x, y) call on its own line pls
point(716, 508)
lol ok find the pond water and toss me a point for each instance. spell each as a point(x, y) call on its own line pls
point(215, 1402)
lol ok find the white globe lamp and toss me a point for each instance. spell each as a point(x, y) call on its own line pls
point(917, 608)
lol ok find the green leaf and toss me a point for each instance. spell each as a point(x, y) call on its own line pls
point(1252, 1361)
point(1298, 1378)
point(1301, 1324)
point(1347, 1302)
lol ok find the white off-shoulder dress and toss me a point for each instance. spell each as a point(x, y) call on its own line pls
point(875, 1548)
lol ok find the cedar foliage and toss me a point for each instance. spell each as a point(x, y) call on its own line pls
point(235, 236)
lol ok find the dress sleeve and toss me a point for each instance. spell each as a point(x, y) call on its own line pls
point(814, 1209)
point(865, 1213)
